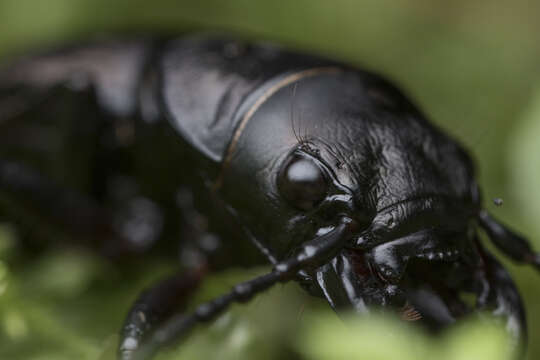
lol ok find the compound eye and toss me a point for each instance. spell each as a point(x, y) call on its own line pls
point(302, 182)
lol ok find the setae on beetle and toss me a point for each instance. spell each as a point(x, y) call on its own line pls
point(234, 151)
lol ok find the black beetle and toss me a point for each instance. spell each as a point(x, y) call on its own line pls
point(335, 177)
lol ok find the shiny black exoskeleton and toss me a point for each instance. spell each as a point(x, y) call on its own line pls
point(235, 151)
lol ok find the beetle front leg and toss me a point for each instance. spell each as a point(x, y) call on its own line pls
point(498, 293)
point(510, 243)
point(155, 305)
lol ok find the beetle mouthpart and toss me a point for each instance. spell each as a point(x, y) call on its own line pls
point(348, 282)
point(412, 216)
point(339, 284)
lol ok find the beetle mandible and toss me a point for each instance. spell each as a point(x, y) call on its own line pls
point(328, 171)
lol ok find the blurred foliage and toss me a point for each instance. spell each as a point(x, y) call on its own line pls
point(380, 338)
point(63, 307)
point(473, 66)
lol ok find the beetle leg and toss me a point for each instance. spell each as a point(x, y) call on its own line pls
point(390, 259)
point(498, 293)
point(28, 194)
point(155, 305)
point(27, 191)
point(510, 243)
point(312, 254)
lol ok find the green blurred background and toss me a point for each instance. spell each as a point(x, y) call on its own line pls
point(473, 66)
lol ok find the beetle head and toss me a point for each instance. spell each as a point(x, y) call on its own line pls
point(344, 143)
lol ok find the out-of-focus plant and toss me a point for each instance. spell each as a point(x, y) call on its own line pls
point(524, 163)
point(385, 338)
point(61, 306)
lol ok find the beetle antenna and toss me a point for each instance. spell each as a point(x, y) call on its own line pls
point(303, 138)
point(311, 254)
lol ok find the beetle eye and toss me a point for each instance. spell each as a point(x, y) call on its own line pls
point(301, 182)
